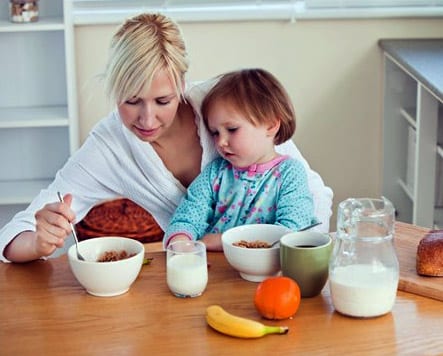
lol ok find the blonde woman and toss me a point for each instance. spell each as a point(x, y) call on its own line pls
point(149, 149)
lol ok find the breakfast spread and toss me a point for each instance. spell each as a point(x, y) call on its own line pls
point(430, 254)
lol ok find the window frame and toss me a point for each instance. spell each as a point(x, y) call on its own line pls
point(89, 12)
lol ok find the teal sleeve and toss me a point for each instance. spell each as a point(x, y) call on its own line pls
point(295, 205)
point(195, 212)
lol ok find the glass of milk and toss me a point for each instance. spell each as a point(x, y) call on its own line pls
point(364, 269)
point(186, 268)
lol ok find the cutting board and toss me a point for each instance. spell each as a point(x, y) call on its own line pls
point(406, 241)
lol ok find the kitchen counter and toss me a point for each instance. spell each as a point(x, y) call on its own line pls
point(413, 129)
point(422, 58)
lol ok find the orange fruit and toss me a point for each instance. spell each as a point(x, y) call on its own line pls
point(277, 298)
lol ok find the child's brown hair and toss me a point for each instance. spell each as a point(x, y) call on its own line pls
point(258, 96)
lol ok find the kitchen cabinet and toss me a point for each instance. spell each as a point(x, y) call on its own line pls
point(413, 129)
point(38, 114)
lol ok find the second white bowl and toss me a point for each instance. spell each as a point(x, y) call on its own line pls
point(254, 264)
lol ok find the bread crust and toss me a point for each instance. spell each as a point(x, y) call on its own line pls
point(430, 254)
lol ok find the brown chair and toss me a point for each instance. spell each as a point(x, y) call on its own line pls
point(119, 217)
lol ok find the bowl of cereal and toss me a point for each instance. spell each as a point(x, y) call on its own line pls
point(111, 264)
point(248, 250)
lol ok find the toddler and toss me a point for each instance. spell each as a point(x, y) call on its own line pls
point(247, 112)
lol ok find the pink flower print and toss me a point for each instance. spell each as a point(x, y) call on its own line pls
point(225, 219)
point(222, 209)
point(250, 192)
point(276, 174)
point(216, 187)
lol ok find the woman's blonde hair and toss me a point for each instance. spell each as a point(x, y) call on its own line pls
point(258, 96)
point(141, 47)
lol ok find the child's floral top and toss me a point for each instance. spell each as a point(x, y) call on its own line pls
point(224, 196)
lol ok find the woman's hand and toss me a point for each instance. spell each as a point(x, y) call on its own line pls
point(52, 229)
point(53, 226)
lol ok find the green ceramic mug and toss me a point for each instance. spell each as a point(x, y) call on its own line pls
point(304, 257)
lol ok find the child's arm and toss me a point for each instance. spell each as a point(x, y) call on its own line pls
point(295, 205)
point(322, 195)
point(195, 212)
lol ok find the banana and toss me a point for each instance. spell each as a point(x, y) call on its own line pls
point(226, 323)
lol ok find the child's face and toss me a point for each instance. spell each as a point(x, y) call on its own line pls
point(238, 140)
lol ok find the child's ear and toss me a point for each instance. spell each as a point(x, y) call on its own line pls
point(273, 128)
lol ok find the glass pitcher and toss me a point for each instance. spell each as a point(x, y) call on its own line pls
point(364, 269)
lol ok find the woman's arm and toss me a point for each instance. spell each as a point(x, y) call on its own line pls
point(52, 228)
point(44, 225)
point(322, 194)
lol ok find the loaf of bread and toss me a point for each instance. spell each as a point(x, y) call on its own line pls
point(430, 254)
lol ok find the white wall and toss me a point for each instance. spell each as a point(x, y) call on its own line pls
point(332, 70)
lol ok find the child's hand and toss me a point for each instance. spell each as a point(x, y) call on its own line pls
point(213, 242)
point(178, 237)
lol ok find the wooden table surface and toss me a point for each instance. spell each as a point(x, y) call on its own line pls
point(44, 311)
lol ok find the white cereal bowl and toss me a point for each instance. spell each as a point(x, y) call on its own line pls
point(254, 264)
point(106, 279)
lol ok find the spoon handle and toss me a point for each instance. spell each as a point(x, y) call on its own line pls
point(310, 226)
point(60, 197)
point(304, 229)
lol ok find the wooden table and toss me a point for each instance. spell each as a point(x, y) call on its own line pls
point(44, 311)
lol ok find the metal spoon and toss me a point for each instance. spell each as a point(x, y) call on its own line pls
point(304, 229)
point(79, 256)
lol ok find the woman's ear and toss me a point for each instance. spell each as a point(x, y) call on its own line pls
point(273, 128)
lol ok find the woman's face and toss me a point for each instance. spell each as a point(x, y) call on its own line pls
point(150, 115)
point(238, 140)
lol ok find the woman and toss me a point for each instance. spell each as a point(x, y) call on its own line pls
point(148, 150)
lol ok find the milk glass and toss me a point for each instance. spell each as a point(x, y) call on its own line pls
point(186, 268)
point(364, 269)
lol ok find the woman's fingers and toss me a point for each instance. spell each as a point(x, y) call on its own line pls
point(52, 225)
